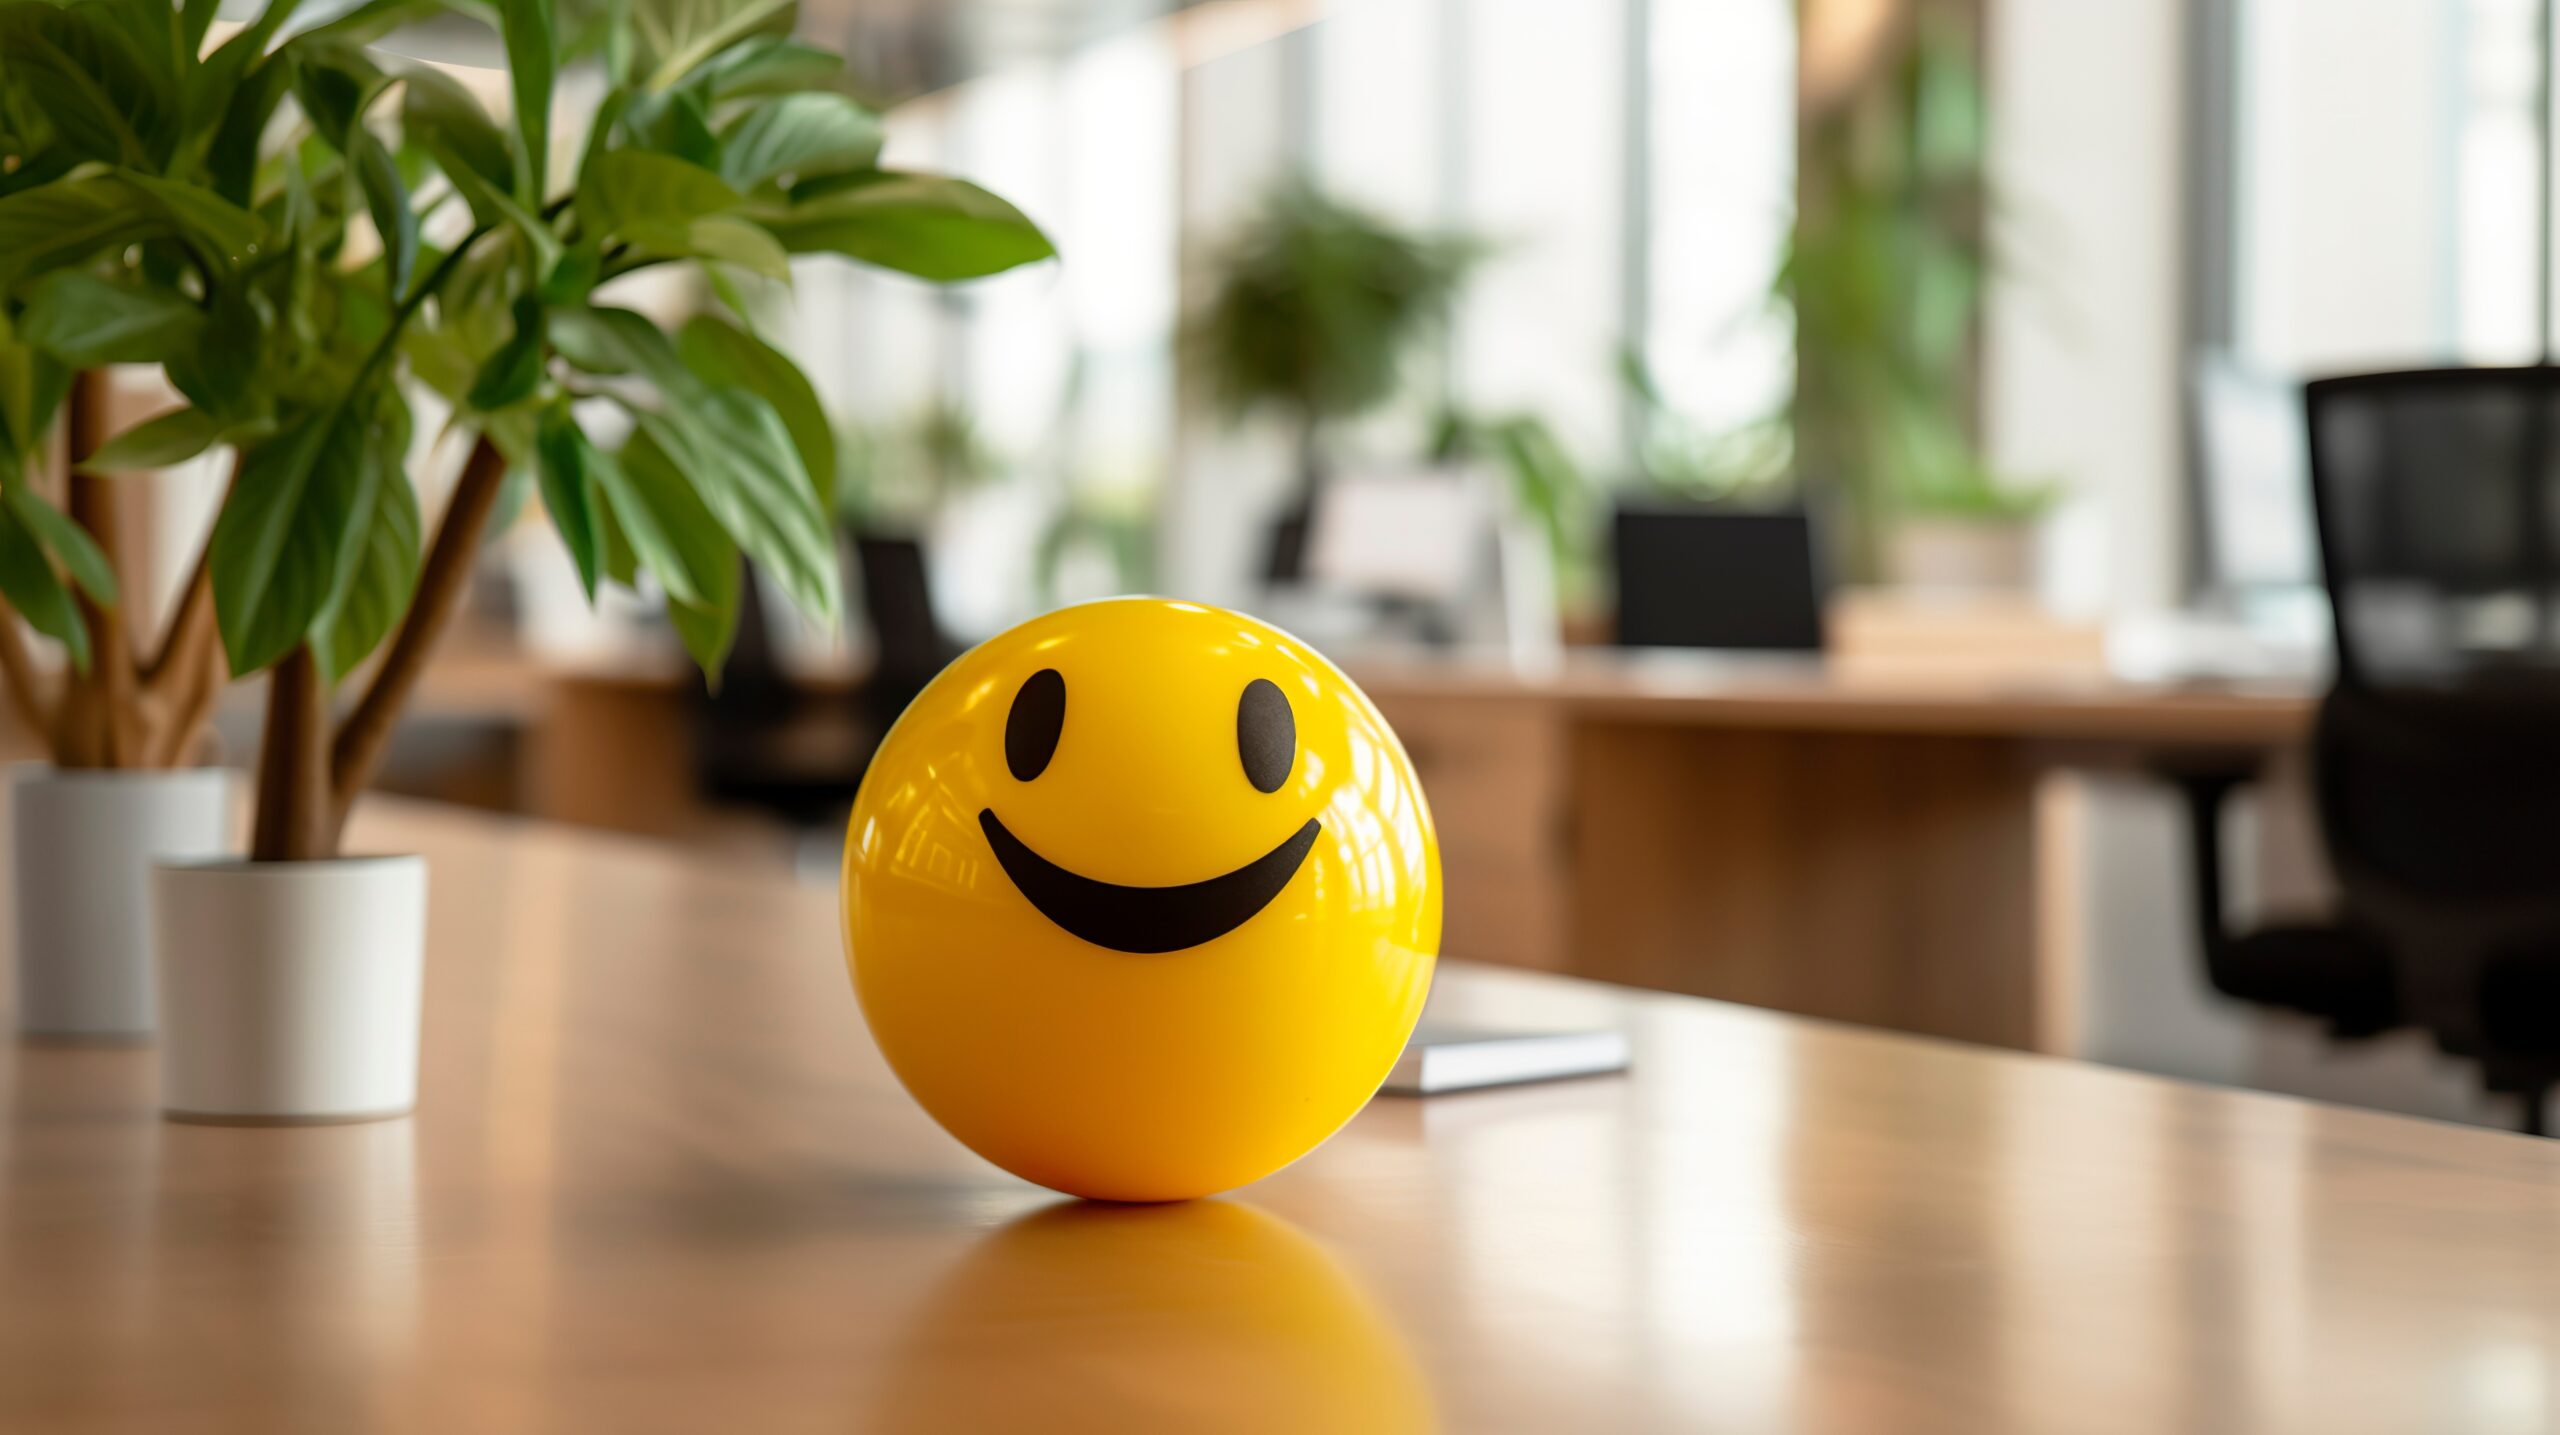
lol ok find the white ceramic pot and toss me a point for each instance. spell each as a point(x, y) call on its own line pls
point(1963, 555)
point(289, 991)
point(82, 842)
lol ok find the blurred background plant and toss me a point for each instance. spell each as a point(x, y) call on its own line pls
point(1546, 486)
point(1884, 275)
point(1314, 311)
point(895, 477)
point(1678, 457)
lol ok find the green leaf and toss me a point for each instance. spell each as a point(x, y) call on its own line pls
point(86, 321)
point(608, 341)
point(930, 226)
point(739, 458)
point(32, 384)
point(625, 189)
point(675, 36)
point(435, 110)
point(527, 26)
point(621, 564)
point(298, 504)
point(672, 533)
point(569, 492)
point(600, 127)
point(726, 356)
point(245, 107)
point(100, 101)
point(195, 20)
point(171, 438)
point(387, 199)
point(333, 83)
point(67, 541)
point(492, 206)
point(513, 373)
point(708, 632)
point(36, 591)
point(803, 136)
point(69, 221)
point(372, 20)
point(720, 236)
point(570, 280)
point(221, 374)
point(515, 491)
point(768, 65)
point(219, 230)
point(675, 124)
point(383, 574)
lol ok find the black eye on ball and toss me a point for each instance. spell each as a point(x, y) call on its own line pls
point(1031, 729)
point(1266, 734)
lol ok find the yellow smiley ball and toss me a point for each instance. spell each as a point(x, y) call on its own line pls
point(1141, 899)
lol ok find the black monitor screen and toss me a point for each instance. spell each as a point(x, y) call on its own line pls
point(1707, 578)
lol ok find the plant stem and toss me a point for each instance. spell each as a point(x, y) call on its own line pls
point(183, 679)
point(293, 766)
point(18, 675)
point(442, 580)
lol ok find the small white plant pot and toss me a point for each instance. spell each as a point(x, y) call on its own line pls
point(1965, 556)
point(82, 843)
point(289, 991)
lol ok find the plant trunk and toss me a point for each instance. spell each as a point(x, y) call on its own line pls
point(1310, 464)
point(293, 822)
point(99, 724)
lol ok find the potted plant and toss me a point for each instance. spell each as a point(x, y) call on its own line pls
point(348, 232)
point(1967, 533)
point(120, 715)
point(1312, 312)
point(1883, 276)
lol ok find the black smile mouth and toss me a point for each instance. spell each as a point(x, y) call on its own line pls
point(1147, 919)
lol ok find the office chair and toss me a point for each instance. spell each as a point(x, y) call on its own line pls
point(1694, 576)
point(752, 735)
point(2436, 754)
point(908, 647)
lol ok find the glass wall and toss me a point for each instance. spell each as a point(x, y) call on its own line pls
point(1629, 162)
point(2384, 183)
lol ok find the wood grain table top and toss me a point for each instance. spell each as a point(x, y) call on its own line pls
point(659, 1180)
point(1838, 695)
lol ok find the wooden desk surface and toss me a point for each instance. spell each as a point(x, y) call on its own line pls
point(660, 1181)
point(1814, 695)
point(1852, 693)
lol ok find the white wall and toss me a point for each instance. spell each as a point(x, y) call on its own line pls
point(2083, 332)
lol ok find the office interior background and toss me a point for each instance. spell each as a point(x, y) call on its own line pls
point(2004, 303)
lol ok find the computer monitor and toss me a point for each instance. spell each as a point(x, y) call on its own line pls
point(1696, 576)
point(2252, 457)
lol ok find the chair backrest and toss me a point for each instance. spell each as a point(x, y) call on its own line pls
point(2437, 757)
point(753, 689)
point(2438, 503)
point(908, 647)
point(1691, 576)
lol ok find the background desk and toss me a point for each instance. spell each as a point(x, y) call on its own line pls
point(660, 1181)
point(1819, 839)
point(1856, 840)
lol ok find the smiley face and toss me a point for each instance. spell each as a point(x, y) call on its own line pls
point(1150, 919)
point(1141, 899)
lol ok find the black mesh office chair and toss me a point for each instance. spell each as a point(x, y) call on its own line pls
point(767, 740)
point(2436, 757)
point(908, 647)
